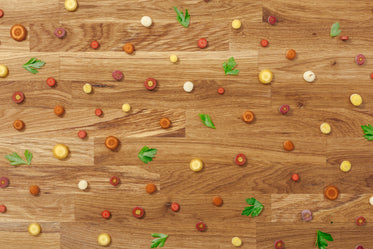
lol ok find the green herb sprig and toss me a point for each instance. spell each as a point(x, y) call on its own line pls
point(15, 159)
point(229, 65)
point(253, 210)
point(32, 64)
point(161, 239)
point(183, 20)
point(146, 154)
point(368, 130)
point(334, 31)
point(322, 238)
point(206, 120)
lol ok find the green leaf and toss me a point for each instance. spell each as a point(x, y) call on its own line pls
point(15, 159)
point(321, 239)
point(334, 31)
point(255, 209)
point(146, 155)
point(228, 67)
point(206, 120)
point(32, 64)
point(183, 20)
point(160, 241)
point(28, 156)
point(368, 130)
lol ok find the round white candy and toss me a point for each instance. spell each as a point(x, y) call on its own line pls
point(83, 184)
point(371, 200)
point(188, 86)
point(146, 21)
point(309, 76)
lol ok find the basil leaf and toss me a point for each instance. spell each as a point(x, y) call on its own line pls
point(146, 155)
point(206, 120)
point(228, 67)
point(183, 20)
point(334, 31)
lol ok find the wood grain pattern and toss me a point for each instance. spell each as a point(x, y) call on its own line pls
point(71, 218)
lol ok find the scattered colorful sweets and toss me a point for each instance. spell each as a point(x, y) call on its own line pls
point(360, 59)
point(217, 201)
point(1, 13)
point(325, 128)
point(114, 180)
point(196, 165)
point(146, 21)
point(272, 20)
point(344, 37)
point(202, 43)
point(82, 134)
point(264, 43)
point(150, 84)
point(150, 188)
point(306, 215)
point(221, 90)
point(290, 54)
point(248, 117)
point(331, 193)
point(128, 48)
point(265, 76)
point(236, 241)
point(138, 212)
point(126, 107)
point(98, 112)
point(117, 75)
point(60, 151)
point(18, 32)
point(60, 33)
point(173, 58)
point(18, 125)
point(87, 88)
point(201, 226)
point(18, 97)
point(4, 182)
point(34, 229)
point(284, 109)
point(3, 71)
point(345, 166)
point(2, 208)
point(356, 99)
point(71, 5)
point(309, 76)
point(360, 221)
point(175, 207)
point(295, 177)
point(288, 145)
point(188, 86)
point(51, 82)
point(83, 185)
point(111, 142)
point(236, 24)
point(240, 159)
point(34, 190)
point(371, 200)
point(104, 239)
point(106, 214)
point(165, 123)
point(59, 110)
point(95, 44)
point(279, 244)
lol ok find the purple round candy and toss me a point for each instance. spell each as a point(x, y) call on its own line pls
point(60, 33)
point(360, 59)
point(4, 182)
point(117, 75)
point(306, 215)
point(359, 247)
point(284, 109)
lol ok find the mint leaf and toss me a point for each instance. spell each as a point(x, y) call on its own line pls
point(28, 156)
point(146, 155)
point(183, 20)
point(32, 64)
point(228, 67)
point(206, 120)
point(161, 239)
point(15, 159)
point(368, 130)
point(334, 31)
point(253, 210)
point(322, 238)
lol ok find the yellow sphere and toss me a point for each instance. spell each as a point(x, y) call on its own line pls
point(3, 71)
point(173, 58)
point(325, 128)
point(265, 76)
point(345, 166)
point(87, 88)
point(104, 239)
point(236, 24)
point(34, 229)
point(196, 165)
point(71, 5)
point(236, 241)
point(60, 151)
point(356, 99)
point(126, 107)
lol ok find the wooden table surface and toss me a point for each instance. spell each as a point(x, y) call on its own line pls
point(71, 218)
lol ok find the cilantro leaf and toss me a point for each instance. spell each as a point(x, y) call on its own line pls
point(32, 64)
point(146, 155)
point(334, 31)
point(28, 156)
point(161, 239)
point(15, 159)
point(229, 65)
point(206, 120)
point(183, 20)
point(322, 238)
point(253, 210)
point(368, 130)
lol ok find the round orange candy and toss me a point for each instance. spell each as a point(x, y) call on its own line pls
point(18, 32)
point(34, 190)
point(18, 124)
point(288, 145)
point(331, 193)
point(165, 123)
point(218, 201)
point(111, 143)
point(290, 54)
point(59, 110)
point(128, 48)
point(150, 188)
point(248, 116)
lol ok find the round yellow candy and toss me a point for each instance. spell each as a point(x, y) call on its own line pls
point(196, 165)
point(173, 58)
point(236, 241)
point(34, 229)
point(325, 128)
point(345, 166)
point(236, 24)
point(104, 239)
point(3, 71)
point(356, 99)
point(71, 5)
point(126, 107)
point(87, 88)
point(265, 76)
point(60, 151)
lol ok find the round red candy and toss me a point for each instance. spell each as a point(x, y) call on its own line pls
point(344, 37)
point(95, 44)
point(221, 90)
point(284, 109)
point(271, 20)
point(279, 244)
point(106, 214)
point(82, 134)
point(359, 247)
point(1, 13)
point(138, 212)
point(202, 43)
point(240, 159)
point(18, 97)
point(360, 221)
point(175, 207)
point(150, 84)
point(295, 177)
point(264, 43)
point(51, 81)
point(4, 182)
point(360, 59)
point(114, 180)
point(2, 208)
point(201, 226)
point(98, 112)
